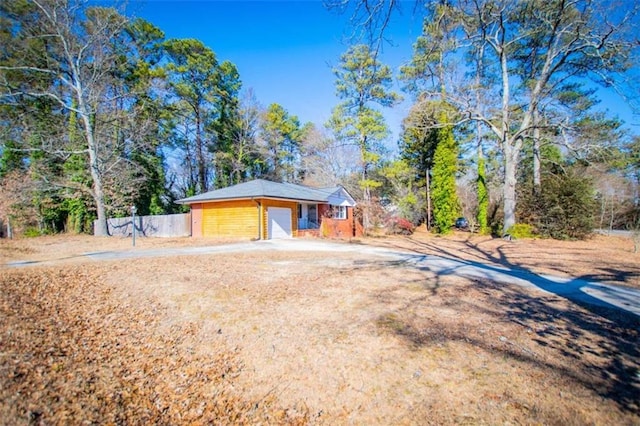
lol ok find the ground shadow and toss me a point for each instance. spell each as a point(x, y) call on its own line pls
point(584, 290)
point(601, 338)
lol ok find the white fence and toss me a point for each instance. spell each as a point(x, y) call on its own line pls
point(170, 225)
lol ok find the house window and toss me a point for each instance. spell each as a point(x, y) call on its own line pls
point(339, 212)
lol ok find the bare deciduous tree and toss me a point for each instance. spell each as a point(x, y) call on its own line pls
point(327, 162)
point(79, 45)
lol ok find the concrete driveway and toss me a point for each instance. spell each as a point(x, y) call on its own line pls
point(576, 290)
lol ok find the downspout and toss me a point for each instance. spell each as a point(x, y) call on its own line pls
point(259, 217)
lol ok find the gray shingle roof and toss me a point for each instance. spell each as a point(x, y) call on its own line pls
point(260, 188)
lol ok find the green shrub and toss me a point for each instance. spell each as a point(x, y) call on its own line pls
point(32, 232)
point(562, 208)
point(521, 230)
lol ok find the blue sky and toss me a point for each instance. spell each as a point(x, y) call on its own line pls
point(284, 50)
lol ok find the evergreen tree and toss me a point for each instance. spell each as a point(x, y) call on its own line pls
point(192, 75)
point(446, 207)
point(418, 142)
point(141, 70)
point(363, 82)
point(281, 135)
point(563, 207)
point(204, 107)
point(525, 54)
point(483, 197)
point(226, 125)
point(400, 179)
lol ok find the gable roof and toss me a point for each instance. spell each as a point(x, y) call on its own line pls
point(261, 188)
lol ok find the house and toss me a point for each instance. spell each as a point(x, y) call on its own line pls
point(262, 209)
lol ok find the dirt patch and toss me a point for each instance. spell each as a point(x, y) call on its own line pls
point(319, 338)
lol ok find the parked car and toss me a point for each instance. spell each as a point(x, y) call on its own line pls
point(462, 223)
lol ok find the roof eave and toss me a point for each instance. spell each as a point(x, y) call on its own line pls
point(257, 197)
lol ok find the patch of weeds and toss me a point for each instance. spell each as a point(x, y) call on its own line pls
point(391, 322)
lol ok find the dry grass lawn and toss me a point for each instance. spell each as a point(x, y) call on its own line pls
point(303, 338)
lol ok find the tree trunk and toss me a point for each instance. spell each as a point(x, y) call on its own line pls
point(366, 194)
point(366, 191)
point(202, 174)
point(428, 181)
point(611, 218)
point(101, 228)
point(537, 179)
point(509, 188)
point(481, 191)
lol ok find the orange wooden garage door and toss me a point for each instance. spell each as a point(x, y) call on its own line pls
point(230, 219)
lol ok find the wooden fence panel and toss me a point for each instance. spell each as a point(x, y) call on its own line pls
point(170, 225)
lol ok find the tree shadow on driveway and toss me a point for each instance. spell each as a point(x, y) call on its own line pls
point(584, 290)
point(596, 333)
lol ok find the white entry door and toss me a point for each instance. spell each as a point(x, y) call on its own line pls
point(279, 222)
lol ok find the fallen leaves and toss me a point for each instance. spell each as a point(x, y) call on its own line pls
point(71, 353)
point(330, 338)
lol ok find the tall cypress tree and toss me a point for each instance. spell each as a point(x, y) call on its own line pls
point(446, 206)
point(483, 197)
